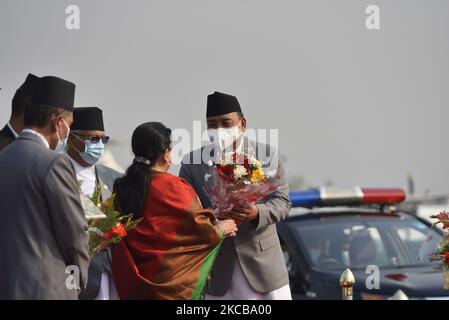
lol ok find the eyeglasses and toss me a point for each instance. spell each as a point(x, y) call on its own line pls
point(92, 139)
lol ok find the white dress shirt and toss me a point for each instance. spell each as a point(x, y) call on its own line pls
point(87, 178)
point(240, 289)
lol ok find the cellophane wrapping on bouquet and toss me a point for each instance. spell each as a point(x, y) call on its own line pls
point(236, 181)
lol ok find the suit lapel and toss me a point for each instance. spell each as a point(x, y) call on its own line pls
point(105, 190)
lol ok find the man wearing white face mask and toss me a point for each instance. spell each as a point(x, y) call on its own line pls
point(86, 145)
point(43, 230)
point(227, 138)
point(251, 265)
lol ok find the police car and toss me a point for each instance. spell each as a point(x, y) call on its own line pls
point(329, 230)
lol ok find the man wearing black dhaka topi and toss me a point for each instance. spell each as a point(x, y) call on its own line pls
point(43, 229)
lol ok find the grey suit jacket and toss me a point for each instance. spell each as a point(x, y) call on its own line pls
point(101, 262)
point(42, 228)
point(256, 245)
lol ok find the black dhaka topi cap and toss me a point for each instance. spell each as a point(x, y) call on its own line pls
point(220, 103)
point(54, 92)
point(26, 90)
point(88, 118)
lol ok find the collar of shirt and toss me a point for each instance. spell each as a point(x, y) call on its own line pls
point(12, 130)
point(39, 135)
point(80, 169)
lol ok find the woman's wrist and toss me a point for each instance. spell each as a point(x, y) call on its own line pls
point(221, 230)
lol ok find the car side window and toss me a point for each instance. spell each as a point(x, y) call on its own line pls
point(366, 247)
point(413, 238)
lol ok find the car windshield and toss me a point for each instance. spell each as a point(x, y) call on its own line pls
point(357, 241)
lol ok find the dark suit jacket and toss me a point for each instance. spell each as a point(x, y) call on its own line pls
point(6, 137)
point(42, 223)
point(256, 245)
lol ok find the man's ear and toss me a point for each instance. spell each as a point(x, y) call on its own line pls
point(243, 124)
point(54, 124)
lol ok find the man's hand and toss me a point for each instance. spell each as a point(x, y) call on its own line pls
point(245, 214)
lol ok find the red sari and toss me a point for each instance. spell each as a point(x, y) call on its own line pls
point(171, 251)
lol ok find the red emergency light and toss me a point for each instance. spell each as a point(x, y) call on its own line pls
point(324, 197)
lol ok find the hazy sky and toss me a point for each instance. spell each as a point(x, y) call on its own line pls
point(353, 106)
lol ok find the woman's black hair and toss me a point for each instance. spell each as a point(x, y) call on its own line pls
point(149, 142)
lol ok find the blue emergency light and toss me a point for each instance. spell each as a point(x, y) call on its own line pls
point(347, 196)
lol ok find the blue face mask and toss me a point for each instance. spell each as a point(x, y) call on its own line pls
point(92, 152)
point(61, 146)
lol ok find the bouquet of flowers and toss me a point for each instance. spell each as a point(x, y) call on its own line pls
point(236, 181)
point(441, 253)
point(106, 225)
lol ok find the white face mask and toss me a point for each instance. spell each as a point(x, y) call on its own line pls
point(224, 137)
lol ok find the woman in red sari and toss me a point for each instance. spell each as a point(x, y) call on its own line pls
point(170, 253)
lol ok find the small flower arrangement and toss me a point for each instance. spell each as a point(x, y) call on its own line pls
point(106, 225)
point(443, 247)
point(442, 253)
point(241, 168)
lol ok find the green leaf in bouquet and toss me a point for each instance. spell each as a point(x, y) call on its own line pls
point(96, 195)
point(132, 224)
point(111, 218)
point(443, 247)
point(116, 239)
